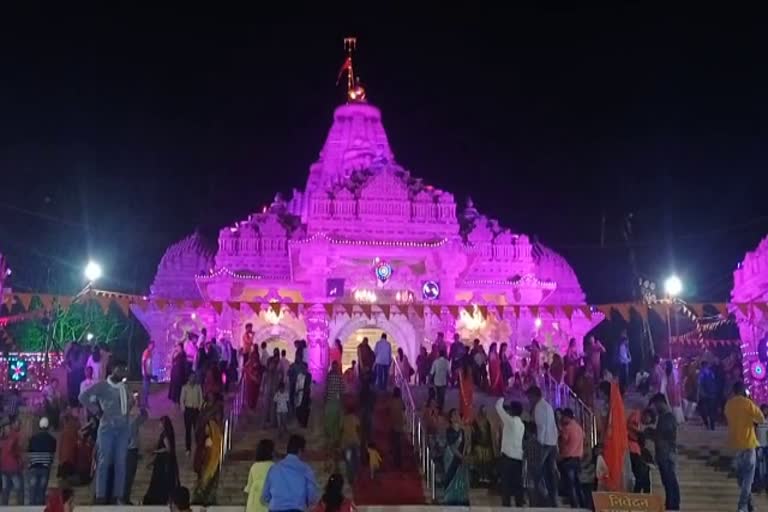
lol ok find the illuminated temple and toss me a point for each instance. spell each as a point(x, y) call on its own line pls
point(366, 247)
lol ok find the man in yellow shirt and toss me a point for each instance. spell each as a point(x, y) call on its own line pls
point(742, 415)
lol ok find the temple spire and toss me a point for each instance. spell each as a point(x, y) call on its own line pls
point(355, 91)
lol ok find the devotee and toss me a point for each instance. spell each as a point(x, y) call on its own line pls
point(674, 393)
point(656, 380)
point(60, 500)
point(456, 469)
point(396, 426)
point(334, 390)
point(68, 441)
point(291, 483)
point(640, 468)
point(403, 365)
point(440, 374)
point(624, 358)
point(281, 408)
point(208, 460)
point(351, 442)
point(534, 365)
point(495, 379)
point(257, 475)
point(571, 444)
point(511, 467)
point(374, 460)
point(422, 366)
point(333, 499)
point(664, 437)
point(224, 347)
point(247, 341)
point(264, 354)
point(74, 360)
point(456, 354)
point(41, 450)
point(302, 394)
point(439, 343)
point(365, 359)
point(483, 448)
point(178, 373)
point(270, 380)
point(252, 377)
point(466, 390)
point(707, 395)
point(146, 373)
point(506, 366)
point(190, 350)
point(383, 352)
point(285, 364)
point(115, 401)
point(96, 361)
point(11, 464)
point(190, 402)
point(479, 361)
point(571, 362)
point(367, 401)
point(546, 437)
point(594, 350)
point(350, 376)
point(180, 501)
point(337, 350)
point(742, 415)
point(612, 429)
point(132, 455)
point(165, 469)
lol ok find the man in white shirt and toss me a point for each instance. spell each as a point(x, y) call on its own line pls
point(440, 373)
point(511, 453)
point(383, 352)
point(546, 435)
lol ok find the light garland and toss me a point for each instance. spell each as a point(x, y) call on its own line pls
point(370, 243)
point(225, 271)
point(526, 280)
point(37, 376)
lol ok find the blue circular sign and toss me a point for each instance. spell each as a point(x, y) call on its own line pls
point(430, 290)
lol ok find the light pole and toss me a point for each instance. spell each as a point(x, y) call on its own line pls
point(673, 286)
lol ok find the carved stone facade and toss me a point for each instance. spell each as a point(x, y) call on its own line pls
point(360, 210)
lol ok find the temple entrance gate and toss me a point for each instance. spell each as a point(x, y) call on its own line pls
point(398, 328)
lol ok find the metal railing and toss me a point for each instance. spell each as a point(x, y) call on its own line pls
point(231, 422)
point(561, 396)
point(419, 437)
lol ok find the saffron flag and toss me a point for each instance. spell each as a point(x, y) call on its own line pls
point(344, 67)
point(616, 444)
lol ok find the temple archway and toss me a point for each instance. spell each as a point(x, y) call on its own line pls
point(399, 329)
point(277, 336)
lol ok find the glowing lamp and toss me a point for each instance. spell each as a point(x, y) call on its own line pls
point(673, 286)
point(537, 323)
point(93, 271)
point(758, 371)
point(89, 336)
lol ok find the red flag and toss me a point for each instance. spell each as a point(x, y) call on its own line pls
point(344, 67)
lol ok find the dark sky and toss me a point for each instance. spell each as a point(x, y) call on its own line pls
point(122, 132)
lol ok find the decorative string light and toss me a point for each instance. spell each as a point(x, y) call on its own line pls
point(526, 280)
point(224, 271)
point(37, 375)
point(371, 243)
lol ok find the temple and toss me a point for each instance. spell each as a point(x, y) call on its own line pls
point(750, 284)
point(392, 252)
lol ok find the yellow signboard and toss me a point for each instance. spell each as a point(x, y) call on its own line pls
point(625, 502)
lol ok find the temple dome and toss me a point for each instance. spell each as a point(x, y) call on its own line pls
point(175, 277)
point(550, 266)
point(750, 279)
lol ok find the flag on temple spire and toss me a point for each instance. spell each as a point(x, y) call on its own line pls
point(344, 67)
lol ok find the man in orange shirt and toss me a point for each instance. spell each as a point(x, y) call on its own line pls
point(742, 415)
point(571, 443)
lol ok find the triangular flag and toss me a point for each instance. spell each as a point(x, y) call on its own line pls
point(550, 309)
point(698, 309)
point(501, 310)
point(567, 311)
point(217, 306)
point(180, 304)
point(367, 310)
point(141, 303)
point(483, 311)
point(419, 310)
point(25, 299)
point(234, 305)
point(454, 311)
point(275, 307)
point(743, 309)
point(386, 309)
point(534, 310)
point(586, 311)
point(762, 306)
point(196, 303)
point(8, 300)
point(124, 305)
point(65, 301)
point(104, 302)
point(328, 309)
point(516, 311)
point(606, 310)
point(625, 310)
point(293, 307)
point(348, 309)
point(255, 307)
point(642, 310)
point(47, 301)
point(434, 310)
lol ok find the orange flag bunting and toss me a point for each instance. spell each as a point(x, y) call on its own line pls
point(275, 307)
point(8, 300)
point(348, 309)
point(454, 311)
point(124, 306)
point(293, 307)
point(419, 310)
point(104, 302)
point(534, 310)
point(698, 309)
point(625, 310)
point(743, 309)
point(586, 311)
point(500, 311)
point(606, 310)
point(255, 307)
point(550, 309)
point(328, 309)
point(217, 306)
point(762, 306)
point(196, 303)
point(65, 301)
point(47, 301)
point(140, 303)
point(386, 309)
point(642, 310)
point(483, 311)
point(434, 310)
point(516, 311)
point(25, 299)
point(567, 311)
point(367, 310)
point(234, 305)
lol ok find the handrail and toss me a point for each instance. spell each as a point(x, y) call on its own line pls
point(419, 437)
point(230, 423)
point(560, 395)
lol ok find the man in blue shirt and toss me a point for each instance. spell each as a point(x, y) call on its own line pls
point(290, 485)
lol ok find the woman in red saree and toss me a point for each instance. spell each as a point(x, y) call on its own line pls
point(253, 378)
point(466, 390)
point(494, 371)
point(616, 442)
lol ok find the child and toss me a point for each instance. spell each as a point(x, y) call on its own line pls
point(281, 407)
point(374, 460)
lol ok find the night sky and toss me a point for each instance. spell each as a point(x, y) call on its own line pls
point(121, 133)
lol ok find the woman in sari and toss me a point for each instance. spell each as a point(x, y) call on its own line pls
point(208, 469)
point(456, 471)
point(165, 469)
point(556, 368)
point(252, 378)
point(178, 373)
point(594, 349)
point(495, 376)
point(571, 363)
point(466, 390)
point(406, 370)
point(334, 390)
point(506, 366)
point(483, 448)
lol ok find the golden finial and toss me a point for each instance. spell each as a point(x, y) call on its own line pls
point(355, 91)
